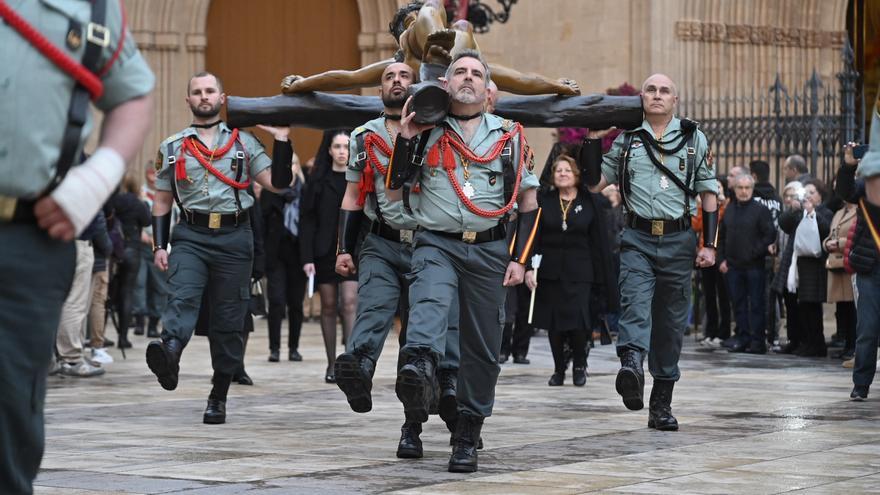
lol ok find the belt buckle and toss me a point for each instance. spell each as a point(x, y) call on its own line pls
point(469, 236)
point(406, 236)
point(98, 34)
point(7, 208)
point(214, 220)
point(656, 227)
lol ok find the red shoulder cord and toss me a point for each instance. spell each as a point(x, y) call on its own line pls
point(450, 143)
point(61, 59)
point(205, 156)
point(367, 184)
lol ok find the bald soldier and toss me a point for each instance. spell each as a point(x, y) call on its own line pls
point(661, 168)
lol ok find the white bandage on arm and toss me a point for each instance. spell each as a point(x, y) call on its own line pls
point(86, 187)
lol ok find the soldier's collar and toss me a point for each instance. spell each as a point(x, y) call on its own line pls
point(390, 116)
point(208, 125)
point(674, 125)
point(465, 117)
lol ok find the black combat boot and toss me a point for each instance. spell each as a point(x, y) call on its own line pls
point(215, 413)
point(630, 382)
point(163, 358)
point(660, 407)
point(447, 406)
point(354, 376)
point(416, 383)
point(464, 449)
point(153, 327)
point(410, 445)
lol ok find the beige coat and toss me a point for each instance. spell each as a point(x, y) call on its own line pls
point(840, 283)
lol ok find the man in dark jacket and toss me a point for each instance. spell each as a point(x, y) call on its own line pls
point(746, 236)
point(766, 194)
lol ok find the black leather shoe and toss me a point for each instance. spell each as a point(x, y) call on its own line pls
point(520, 359)
point(273, 356)
point(139, 325)
point(415, 384)
point(660, 407)
point(788, 348)
point(123, 343)
point(630, 383)
point(859, 393)
point(503, 358)
point(294, 356)
point(153, 328)
point(410, 445)
point(556, 379)
point(757, 348)
point(579, 377)
point(354, 376)
point(215, 413)
point(447, 405)
point(464, 450)
point(737, 347)
point(163, 358)
point(243, 379)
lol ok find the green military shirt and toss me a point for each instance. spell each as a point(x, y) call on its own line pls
point(35, 94)
point(437, 205)
point(202, 191)
point(652, 195)
point(393, 213)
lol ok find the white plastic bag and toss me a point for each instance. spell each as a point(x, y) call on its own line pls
point(806, 239)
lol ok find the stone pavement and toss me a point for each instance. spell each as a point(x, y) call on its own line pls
point(750, 425)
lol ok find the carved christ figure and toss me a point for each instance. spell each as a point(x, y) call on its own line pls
point(421, 32)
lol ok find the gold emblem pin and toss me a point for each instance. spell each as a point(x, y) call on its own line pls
point(74, 39)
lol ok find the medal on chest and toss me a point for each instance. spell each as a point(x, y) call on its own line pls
point(664, 182)
point(467, 188)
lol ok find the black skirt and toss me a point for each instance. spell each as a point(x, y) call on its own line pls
point(562, 306)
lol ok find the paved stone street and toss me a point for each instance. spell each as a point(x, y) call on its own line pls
point(750, 425)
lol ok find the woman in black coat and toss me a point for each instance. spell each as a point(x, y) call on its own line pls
point(575, 261)
point(812, 276)
point(319, 216)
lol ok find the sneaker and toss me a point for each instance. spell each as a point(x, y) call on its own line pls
point(705, 342)
point(81, 370)
point(714, 343)
point(849, 363)
point(101, 356)
point(859, 393)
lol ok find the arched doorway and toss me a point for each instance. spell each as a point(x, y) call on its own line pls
point(253, 45)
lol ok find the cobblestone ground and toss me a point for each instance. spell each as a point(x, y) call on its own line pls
point(749, 424)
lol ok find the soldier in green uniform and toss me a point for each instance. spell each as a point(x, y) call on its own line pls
point(661, 168)
point(384, 261)
point(213, 244)
point(46, 196)
point(469, 171)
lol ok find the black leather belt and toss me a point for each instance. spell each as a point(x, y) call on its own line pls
point(216, 220)
point(493, 234)
point(16, 210)
point(384, 231)
point(657, 227)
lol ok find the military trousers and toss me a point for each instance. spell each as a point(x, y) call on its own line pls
point(383, 288)
point(218, 263)
point(655, 286)
point(443, 270)
point(36, 273)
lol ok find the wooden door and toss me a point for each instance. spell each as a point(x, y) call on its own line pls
point(253, 45)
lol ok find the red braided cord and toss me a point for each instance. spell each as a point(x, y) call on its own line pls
point(68, 65)
point(196, 149)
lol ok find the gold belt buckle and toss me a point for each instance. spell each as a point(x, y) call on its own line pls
point(214, 220)
point(469, 236)
point(406, 236)
point(7, 208)
point(656, 227)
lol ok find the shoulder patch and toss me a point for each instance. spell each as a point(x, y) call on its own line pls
point(710, 159)
point(159, 163)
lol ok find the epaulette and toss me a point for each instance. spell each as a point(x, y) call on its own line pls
point(357, 130)
point(688, 125)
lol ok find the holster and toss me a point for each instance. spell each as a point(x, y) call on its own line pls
point(590, 161)
point(404, 163)
point(349, 227)
point(161, 231)
point(526, 231)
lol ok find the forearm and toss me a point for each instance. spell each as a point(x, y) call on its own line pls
point(125, 127)
point(162, 203)
point(520, 83)
point(528, 200)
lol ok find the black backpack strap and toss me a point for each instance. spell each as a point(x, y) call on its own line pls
point(238, 166)
point(78, 111)
point(623, 168)
point(418, 157)
point(172, 164)
point(691, 165)
point(509, 174)
point(360, 160)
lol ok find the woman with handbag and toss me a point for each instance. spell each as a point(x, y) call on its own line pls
point(808, 222)
point(840, 290)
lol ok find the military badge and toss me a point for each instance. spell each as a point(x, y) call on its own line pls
point(159, 161)
point(710, 159)
point(493, 178)
point(74, 39)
